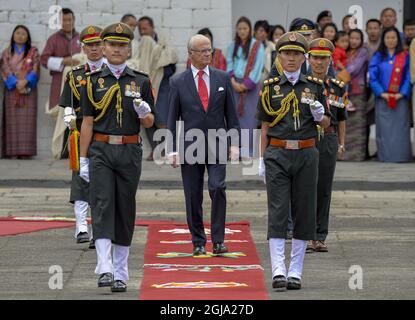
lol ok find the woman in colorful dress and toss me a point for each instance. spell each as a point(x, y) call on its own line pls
point(245, 62)
point(390, 81)
point(355, 76)
point(20, 72)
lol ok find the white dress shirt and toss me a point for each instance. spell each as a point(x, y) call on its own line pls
point(206, 77)
point(94, 65)
point(293, 76)
point(117, 70)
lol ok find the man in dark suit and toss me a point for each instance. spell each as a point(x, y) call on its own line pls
point(201, 97)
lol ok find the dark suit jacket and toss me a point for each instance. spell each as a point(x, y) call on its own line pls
point(185, 105)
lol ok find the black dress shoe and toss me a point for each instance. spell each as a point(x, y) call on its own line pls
point(293, 283)
point(279, 282)
point(82, 237)
point(105, 280)
point(92, 244)
point(119, 286)
point(199, 250)
point(219, 248)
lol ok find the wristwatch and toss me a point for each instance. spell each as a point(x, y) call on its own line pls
point(342, 147)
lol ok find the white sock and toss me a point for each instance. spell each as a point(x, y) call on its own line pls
point(297, 258)
point(277, 254)
point(103, 249)
point(81, 212)
point(121, 262)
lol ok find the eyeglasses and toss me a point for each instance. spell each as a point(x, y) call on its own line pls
point(205, 51)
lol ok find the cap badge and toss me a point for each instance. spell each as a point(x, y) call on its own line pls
point(292, 37)
point(119, 29)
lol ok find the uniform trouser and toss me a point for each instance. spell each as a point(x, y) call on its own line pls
point(291, 177)
point(192, 176)
point(114, 175)
point(327, 148)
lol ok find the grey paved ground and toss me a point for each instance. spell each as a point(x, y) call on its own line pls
point(372, 225)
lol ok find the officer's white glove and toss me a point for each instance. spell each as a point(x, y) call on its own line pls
point(141, 107)
point(84, 168)
point(317, 110)
point(261, 169)
point(68, 117)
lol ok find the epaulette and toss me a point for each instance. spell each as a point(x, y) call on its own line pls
point(315, 80)
point(81, 66)
point(271, 81)
point(339, 83)
point(141, 72)
point(92, 72)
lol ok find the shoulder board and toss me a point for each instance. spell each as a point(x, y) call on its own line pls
point(315, 80)
point(338, 83)
point(92, 72)
point(141, 72)
point(271, 81)
point(82, 66)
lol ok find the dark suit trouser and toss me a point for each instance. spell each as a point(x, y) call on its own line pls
point(327, 147)
point(192, 176)
point(114, 172)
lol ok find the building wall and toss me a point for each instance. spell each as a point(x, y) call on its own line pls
point(177, 19)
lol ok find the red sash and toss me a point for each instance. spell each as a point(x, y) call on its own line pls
point(248, 69)
point(396, 77)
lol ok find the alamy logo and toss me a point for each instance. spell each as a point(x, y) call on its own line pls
point(56, 280)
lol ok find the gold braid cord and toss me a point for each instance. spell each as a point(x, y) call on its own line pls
point(291, 98)
point(106, 100)
point(73, 86)
point(74, 89)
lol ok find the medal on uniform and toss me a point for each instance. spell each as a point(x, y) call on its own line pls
point(101, 82)
point(79, 78)
point(128, 92)
point(277, 89)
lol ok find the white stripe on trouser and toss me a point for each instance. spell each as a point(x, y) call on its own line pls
point(121, 262)
point(277, 254)
point(297, 258)
point(103, 249)
point(81, 213)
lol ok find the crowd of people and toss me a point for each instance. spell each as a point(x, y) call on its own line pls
point(379, 74)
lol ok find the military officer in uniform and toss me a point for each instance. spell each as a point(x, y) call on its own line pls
point(290, 108)
point(331, 143)
point(92, 47)
point(307, 28)
point(116, 102)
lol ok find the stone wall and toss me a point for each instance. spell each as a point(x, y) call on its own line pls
point(177, 19)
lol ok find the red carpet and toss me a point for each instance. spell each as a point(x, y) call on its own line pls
point(171, 273)
point(17, 225)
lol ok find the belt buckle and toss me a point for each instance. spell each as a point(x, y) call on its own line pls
point(115, 139)
point(292, 144)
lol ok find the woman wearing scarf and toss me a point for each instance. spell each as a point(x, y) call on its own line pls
point(245, 62)
point(390, 81)
point(20, 72)
point(355, 76)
